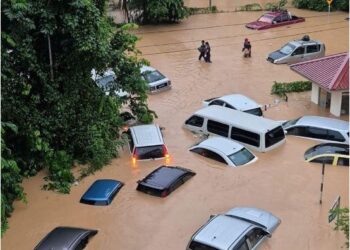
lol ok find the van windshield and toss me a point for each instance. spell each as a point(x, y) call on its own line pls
point(287, 49)
point(256, 111)
point(150, 152)
point(241, 157)
point(200, 246)
point(274, 136)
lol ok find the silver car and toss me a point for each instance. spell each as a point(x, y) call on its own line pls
point(156, 81)
point(224, 150)
point(241, 228)
point(297, 51)
point(319, 128)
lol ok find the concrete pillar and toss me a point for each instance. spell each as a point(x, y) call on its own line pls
point(315, 91)
point(336, 98)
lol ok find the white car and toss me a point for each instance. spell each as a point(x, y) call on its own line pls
point(105, 82)
point(236, 101)
point(225, 151)
point(156, 81)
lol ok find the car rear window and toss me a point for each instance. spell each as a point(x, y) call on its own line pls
point(149, 190)
point(200, 246)
point(241, 157)
point(274, 136)
point(266, 19)
point(256, 111)
point(153, 76)
point(150, 152)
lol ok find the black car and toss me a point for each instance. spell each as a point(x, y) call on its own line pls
point(68, 238)
point(164, 180)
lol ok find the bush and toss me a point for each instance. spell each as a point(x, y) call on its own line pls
point(194, 11)
point(321, 5)
point(250, 7)
point(281, 88)
point(343, 222)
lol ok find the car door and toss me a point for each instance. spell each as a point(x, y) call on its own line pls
point(297, 55)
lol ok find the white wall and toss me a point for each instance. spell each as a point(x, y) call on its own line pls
point(315, 93)
point(336, 98)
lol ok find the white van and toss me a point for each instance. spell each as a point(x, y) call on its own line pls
point(253, 131)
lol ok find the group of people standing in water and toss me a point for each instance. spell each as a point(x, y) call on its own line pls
point(205, 50)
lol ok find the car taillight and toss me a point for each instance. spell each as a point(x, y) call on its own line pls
point(165, 151)
point(134, 156)
point(164, 193)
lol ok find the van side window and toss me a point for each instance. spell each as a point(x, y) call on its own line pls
point(195, 121)
point(245, 136)
point(313, 48)
point(335, 136)
point(217, 102)
point(317, 133)
point(298, 51)
point(218, 128)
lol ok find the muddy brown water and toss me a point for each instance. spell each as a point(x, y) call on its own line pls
point(280, 181)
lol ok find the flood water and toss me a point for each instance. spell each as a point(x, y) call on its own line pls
point(280, 181)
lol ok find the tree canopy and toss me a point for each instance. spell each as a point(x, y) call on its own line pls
point(53, 113)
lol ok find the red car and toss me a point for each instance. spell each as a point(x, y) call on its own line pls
point(274, 19)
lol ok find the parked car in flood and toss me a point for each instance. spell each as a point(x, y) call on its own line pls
point(318, 128)
point(67, 238)
point(156, 81)
point(274, 19)
point(224, 150)
point(106, 82)
point(236, 101)
point(329, 153)
point(164, 180)
point(297, 51)
point(241, 228)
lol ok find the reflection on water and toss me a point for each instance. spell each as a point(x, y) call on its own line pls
point(280, 181)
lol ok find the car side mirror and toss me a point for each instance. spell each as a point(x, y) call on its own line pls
point(268, 235)
point(212, 216)
point(274, 22)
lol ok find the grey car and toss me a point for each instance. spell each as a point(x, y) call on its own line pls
point(241, 228)
point(68, 238)
point(298, 51)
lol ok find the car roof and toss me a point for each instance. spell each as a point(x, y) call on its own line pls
point(299, 42)
point(101, 190)
point(273, 13)
point(230, 116)
point(146, 135)
point(63, 238)
point(164, 176)
point(323, 122)
point(222, 144)
point(147, 68)
point(330, 148)
point(240, 102)
point(222, 231)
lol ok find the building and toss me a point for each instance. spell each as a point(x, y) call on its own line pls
point(330, 81)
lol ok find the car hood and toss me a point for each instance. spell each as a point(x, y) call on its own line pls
point(276, 55)
point(257, 215)
point(256, 25)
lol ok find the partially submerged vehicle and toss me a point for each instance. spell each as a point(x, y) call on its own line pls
point(106, 81)
point(156, 81)
point(68, 238)
point(274, 19)
point(297, 51)
point(329, 153)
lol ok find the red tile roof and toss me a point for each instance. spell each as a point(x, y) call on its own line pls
point(330, 72)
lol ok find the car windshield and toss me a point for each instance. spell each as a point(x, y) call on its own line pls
point(256, 111)
point(241, 157)
point(150, 152)
point(290, 123)
point(327, 149)
point(153, 76)
point(287, 49)
point(266, 19)
point(200, 246)
point(105, 82)
point(274, 136)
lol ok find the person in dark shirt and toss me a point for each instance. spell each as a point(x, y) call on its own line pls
point(247, 48)
point(207, 53)
point(202, 50)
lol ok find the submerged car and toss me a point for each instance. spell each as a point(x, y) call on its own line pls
point(298, 50)
point(241, 228)
point(164, 180)
point(101, 192)
point(329, 153)
point(236, 101)
point(156, 81)
point(318, 128)
point(68, 238)
point(146, 142)
point(225, 151)
point(274, 19)
point(106, 82)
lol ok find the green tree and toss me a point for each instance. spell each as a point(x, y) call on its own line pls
point(342, 222)
point(321, 5)
point(49, 49)
point(154, 11)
